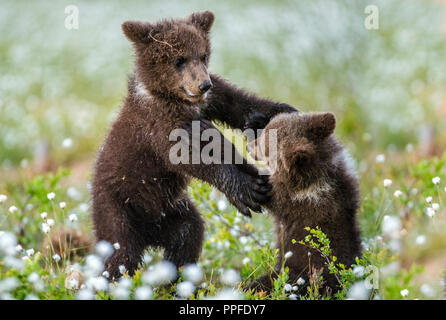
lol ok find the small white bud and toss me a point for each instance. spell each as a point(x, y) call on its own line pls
point(387, 183)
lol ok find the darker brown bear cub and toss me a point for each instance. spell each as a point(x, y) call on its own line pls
point(139, 196)
point(313, 185)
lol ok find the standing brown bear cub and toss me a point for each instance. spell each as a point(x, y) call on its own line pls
point(139, 196)
point(313, 185)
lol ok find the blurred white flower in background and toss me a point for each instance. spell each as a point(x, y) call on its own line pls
point(62, 205)
point(43, 215)
point(104, 249)
point(387, 183)
point(391, 226)
point(359, 271)
point(67, 143)
point(430, 212)
point(12, 209)
point(3, 198)
point(398, 193)
point(420, 240)
point(116, 246)
point(185, 289)
point(230, 277)
point(288, 255)
point(51, 196)
point(380, 158)
point(193, 273)
point(435, 206)
point(429, 199)
point(160, 273)
point(436, 180)
point(404, 293)
point(143, 293)
point(358, 291)
point(72, 217)
point(45, 227)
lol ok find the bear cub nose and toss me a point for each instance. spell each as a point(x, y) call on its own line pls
point(205, 86)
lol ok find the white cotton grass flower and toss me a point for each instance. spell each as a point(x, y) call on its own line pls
point(8, 242)
point(391, 226)
point(435, 206)
point(420, 240)
point(288, 287)
point(19, 248)
point(292, 296)
point(230, 277)
point(122, 269)
point(397, 193)
point(436, 180)
point(359, 271)
point(85, 294)
point(12, 209)
point(193, 273)
point(147, 258)
point(51, 196)
point(427, 290)
point(106, 274)
point(160, 273)
point(50, 222)
point(387, 183)
point(246, 260)
point(72, 217)
point(62, 205)
point(30, 252)
point(45, 228)
point(104, 249)
point(358, 291)
point(430, 212)
point(56, 257)
point(3, 198)
point(380, 158)
point(143, 293)
point(116, 245)
point(222, 204)
point(67, 143)
point(429, 199)
point(300, 281)
point(185, 289)
point(93, 265)
point(288, 255)
point(97, 284)
point(404, 293)
point(44, 215)
point(228, 294)
point(9, 284)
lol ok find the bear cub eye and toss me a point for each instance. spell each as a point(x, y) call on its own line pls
point(204, 57)
point(180, 61)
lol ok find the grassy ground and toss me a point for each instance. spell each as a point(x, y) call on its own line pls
point(60, 89)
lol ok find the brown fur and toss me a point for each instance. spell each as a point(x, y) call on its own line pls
point(139, 196)
point(313, 186)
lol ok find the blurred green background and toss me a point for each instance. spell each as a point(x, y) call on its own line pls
point(60, 90)
point(385, 86)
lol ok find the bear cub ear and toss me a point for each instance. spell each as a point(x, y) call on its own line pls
point(202, 20)
point(136, 31)
point(321, 125)
point(296, 155)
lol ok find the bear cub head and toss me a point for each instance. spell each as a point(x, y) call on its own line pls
point(304, 148)
point(172, 56)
